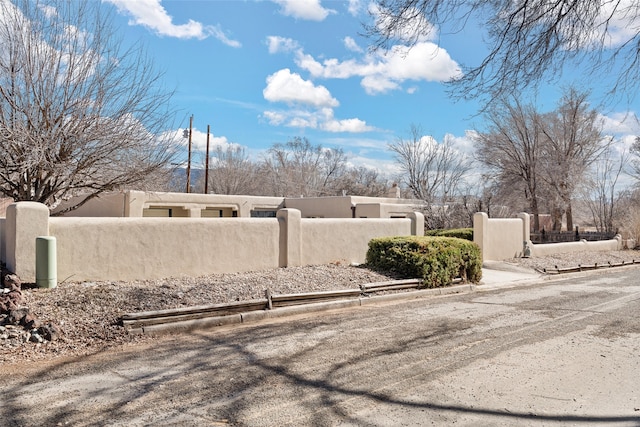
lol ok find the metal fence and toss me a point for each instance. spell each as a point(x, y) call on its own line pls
point(544, 236)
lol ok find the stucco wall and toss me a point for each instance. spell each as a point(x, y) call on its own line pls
point(321, 207)
point(137, 248)
point(539, 250)
point(24, 222)
point(498, 238)
point(504, 238)
point(3, 247)
point(134, 203)
point(108, 204)
point(329, 240)
point(148, 248)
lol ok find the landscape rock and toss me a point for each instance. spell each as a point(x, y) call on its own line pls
point(13, 282)
point(50, 331)
point(16, 315)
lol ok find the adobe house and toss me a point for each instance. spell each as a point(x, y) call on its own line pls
point(192, 205)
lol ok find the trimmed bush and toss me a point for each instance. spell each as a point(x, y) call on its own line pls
point(437, 260)
point(460, 233)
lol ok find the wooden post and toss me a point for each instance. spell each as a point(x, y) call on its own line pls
point(189, 156)
point(206, 166)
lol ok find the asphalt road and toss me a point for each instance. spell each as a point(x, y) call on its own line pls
point(564, 352)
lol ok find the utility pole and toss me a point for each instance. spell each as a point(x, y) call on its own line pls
point(206, 167)
point(189, 158)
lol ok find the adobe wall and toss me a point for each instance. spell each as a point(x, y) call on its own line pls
point(504, 238)
point(539, 250)
point(328, 240)
point(500, 238)
point(150, 248)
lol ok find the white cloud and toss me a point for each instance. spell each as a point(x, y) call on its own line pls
point(49, 11)
point(355, 7)
point(346, 125)
point(617, 24)
point(462, 144)
point(383, 72)
point(199, 140)
point(312, 106)
point(279, 44)
point(151, 14)
point(351, 44)
point(321, 119)
point(310, 10)
point(621, 123)
point(284, 86)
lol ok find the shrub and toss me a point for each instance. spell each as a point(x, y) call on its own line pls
point(460, 233)
point(436, 260)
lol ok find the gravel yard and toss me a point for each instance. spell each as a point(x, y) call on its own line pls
point(88, 313)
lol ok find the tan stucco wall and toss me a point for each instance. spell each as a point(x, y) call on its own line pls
point(539, 250)
point(498, 238)
point(24, 222)
point(341, 206)
point(136, 248)
point(501, 238)
point(329, 240)
point(321, 207)
point(136, 203)
point(242, 204)
point(383, 210)
point(108, 204)
point(3, 240)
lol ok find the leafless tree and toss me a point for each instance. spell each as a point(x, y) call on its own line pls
point(231, 172)
point(432, 171)
point(510, 149)
point(602, 192)
point(528, 41)
point(635, 160)
point(299, 168)
point(573, 142)
point(362, 181)
point(79, 114)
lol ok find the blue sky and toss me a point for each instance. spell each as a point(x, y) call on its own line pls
point(263, 72)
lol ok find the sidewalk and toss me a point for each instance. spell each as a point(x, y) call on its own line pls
point(499, 274)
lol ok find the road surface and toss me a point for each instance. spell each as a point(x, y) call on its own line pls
point(563, 352)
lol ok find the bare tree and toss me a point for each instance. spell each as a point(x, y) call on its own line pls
point(528, 41)
point(635, 160)
point(79, 114)
point(362, 181)
point(602, 193)
point(432, 171)
point(232, 172)
point(510, 149)
point(299, 168)
point(573, 142)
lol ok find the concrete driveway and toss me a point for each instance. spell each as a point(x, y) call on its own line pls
point(563, 352)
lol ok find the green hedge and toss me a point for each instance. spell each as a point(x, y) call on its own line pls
point(437, 260)
point(460, 233)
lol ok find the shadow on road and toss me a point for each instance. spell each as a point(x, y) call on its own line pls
point(247, 377)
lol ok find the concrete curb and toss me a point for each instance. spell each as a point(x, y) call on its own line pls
point(279, 312)
point(259, 315)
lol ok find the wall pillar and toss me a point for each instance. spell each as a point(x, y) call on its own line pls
point(134, 203)
point(480, 225)
point(25, 221)
point(290, 221)
point(526, 226)
point(417, 223)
